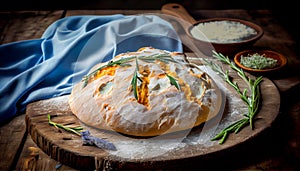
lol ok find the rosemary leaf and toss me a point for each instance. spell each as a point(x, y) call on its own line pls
point(124, 65)
point(173, 81)
point(164, 57)
point(224, 136)
point(134, 80)
point(134, 84)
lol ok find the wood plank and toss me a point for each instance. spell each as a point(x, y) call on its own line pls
point(13, 135)
point(33, 158)
point(25, 25)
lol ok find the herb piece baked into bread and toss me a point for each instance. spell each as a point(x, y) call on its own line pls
point(145, 93)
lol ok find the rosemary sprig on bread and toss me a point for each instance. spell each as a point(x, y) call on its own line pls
point(163, 57)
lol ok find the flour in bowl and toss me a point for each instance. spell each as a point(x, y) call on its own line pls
point(222, 31)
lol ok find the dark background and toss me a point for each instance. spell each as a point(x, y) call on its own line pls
point(286, 10)
point(144, 4)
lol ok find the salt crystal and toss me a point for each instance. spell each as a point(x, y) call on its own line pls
point(222, 31)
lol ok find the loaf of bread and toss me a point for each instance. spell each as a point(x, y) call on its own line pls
point(149, 92)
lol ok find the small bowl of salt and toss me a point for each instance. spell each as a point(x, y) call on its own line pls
point(224, 35)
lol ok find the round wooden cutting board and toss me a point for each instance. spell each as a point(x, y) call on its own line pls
point(184, 149)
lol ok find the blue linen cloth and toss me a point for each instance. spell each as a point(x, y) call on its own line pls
point(48, 67)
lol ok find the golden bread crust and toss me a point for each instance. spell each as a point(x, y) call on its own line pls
point(155, 92)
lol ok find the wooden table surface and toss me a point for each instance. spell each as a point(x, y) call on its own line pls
point(278, 148)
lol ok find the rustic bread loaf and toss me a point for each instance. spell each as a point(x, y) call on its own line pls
point(145, 93)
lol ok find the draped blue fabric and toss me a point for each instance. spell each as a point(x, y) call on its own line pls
point(48, 67)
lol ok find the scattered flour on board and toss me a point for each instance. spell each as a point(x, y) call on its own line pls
point(222, 31)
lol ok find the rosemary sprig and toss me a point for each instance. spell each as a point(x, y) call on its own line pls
point(173, 81)
point(134, 84)
point(135, 78)
point(164, 57)
point(121, 62)
point(252, 101)
point(76, 130)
